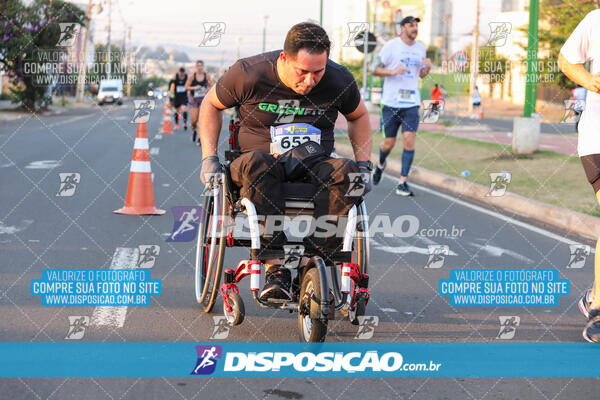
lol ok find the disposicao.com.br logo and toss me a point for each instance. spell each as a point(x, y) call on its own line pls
point(290, 364)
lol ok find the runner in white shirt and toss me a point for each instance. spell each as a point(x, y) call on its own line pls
point(582, 46)
point(402, 61)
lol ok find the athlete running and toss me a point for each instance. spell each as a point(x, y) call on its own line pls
point(581, 47)
point(402, 61)
point(298, 84)
point(181, 99)
point(197, 85)
point(172, 93)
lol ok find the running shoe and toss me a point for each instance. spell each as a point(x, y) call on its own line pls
point(591, 332)
point(404, 190)
point(377, 174)
point(277, 287)
point(185, 126)
point(176, 126)
point(585, 303)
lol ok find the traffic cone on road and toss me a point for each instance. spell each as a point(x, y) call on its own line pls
point(167, 127)
point(140, 193)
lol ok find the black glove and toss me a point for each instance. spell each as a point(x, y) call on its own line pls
point(366, 173)
point(210, 165)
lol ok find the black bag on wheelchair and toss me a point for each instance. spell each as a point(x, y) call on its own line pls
point(298, 160)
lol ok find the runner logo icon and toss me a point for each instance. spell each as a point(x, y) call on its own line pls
point(508, 327)
point(437, 255)
point(207, 359)
point(68, 34)
point(187, 219)
point(68, 183)
point(579, 253)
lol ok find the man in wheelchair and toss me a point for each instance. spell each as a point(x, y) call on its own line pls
point(290, 99)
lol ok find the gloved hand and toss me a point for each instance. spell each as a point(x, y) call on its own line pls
point(365, 173)
point(210, 165)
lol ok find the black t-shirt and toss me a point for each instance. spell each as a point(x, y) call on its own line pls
point(180, 91)
point(264, 101)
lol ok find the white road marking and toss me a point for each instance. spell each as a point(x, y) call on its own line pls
point(10, 164)
point(483, 210)
point(499, 251)
point(154, 150)
point(403, 249)
point(388, 310)
point(11, 230)
point(158, 136)
point(123, 258)
point(66, 121)
point(43, 164)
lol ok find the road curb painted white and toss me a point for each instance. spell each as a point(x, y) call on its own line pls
point(562, 218)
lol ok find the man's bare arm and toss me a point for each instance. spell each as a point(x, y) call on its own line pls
point(578, 74)
point(209, 123)
point(359, 132)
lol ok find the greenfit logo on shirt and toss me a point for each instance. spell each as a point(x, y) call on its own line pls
point(289, 109)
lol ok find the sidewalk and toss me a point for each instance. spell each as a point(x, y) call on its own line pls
point(11, 112)
point(564, 144)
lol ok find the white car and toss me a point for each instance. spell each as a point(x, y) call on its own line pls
point(111, 91)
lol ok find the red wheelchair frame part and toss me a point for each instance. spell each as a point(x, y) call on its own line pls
point(356, 275)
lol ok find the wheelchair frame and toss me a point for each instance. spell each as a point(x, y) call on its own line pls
point(315, 309)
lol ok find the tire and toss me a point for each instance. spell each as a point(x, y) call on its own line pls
point(209, 269)
point(361, 257)
point(310, 329)
point(238, 313)
point(359, 309)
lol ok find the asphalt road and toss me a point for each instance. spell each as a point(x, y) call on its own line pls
point(39, 230)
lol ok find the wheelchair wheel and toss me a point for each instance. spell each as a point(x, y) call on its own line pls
point(360, 255)
point(311, 329)
point(210, 251)
point(238, 312)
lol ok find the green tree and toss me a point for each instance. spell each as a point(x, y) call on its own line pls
point(140, 87)
point(30, 34)
point(558, 19)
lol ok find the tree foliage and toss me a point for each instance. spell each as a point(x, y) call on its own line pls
point(30, 34)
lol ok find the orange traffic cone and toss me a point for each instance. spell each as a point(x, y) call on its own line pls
point(167, 127)
point(140, 194)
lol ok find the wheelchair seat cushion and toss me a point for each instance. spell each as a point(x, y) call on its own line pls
point(299, 191)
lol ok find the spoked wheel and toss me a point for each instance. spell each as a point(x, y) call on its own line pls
point(360, 255)
point(238, 311)
point(311, 329)
point(210, 250)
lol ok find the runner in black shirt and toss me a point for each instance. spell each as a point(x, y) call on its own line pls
point(181, 99)
point(297, 85)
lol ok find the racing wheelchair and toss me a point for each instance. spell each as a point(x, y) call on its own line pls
point(315, 295)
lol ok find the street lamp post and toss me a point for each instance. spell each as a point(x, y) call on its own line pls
point(532, 49)
point(264, 43)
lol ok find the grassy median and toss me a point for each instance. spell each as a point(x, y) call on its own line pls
point(545, 176)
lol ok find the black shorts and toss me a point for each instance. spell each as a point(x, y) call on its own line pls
point(591, 166)
point(180, 101)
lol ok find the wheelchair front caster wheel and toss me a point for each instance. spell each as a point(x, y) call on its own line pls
point(359, 309)
point(311, 329)
point(238, 312)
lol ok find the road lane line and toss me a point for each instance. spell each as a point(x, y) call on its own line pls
point(154, 150)
point(123, 258)
point(483, 210)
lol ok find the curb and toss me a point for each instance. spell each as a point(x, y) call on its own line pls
point(562, 218)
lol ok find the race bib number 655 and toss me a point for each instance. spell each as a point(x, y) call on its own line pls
point(286, 137)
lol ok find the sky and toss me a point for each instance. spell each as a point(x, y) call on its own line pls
point(179, 23)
